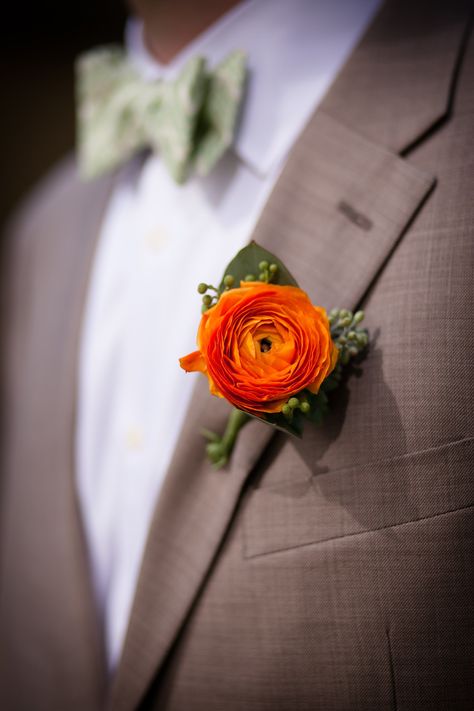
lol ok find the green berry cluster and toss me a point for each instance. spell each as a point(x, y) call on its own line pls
point(267, 272)
point(348, 337)
point(293, 404)
point(208, 300)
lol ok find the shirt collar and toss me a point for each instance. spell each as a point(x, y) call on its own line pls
point(294, 49)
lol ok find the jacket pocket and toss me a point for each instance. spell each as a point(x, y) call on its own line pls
point(353, 501)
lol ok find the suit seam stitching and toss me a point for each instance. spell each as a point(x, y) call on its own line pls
point(391, 665)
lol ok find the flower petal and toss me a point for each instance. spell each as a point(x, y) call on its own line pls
point(194, 362)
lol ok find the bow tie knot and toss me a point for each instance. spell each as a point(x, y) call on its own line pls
point(191, 120)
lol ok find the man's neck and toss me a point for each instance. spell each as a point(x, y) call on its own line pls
point(170, 25)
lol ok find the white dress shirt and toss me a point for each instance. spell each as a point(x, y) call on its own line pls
point(158, 241)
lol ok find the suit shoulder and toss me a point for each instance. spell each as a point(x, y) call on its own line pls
point(41, 202)
point(50, 215)
point(463, 92)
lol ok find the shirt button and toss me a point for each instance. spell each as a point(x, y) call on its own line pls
point(156, 239)
point(134, 438)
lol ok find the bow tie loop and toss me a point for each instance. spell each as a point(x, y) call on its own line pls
point(190, 121)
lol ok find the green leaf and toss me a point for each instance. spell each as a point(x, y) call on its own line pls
point(319, 407)
point(277, 420)
point(247, 262)
point(330, 384)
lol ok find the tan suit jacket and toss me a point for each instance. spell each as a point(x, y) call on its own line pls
point(329, 573)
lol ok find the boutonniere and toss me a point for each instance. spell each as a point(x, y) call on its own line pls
point(268, 350)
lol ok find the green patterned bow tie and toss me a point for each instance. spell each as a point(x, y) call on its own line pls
point(190, 120)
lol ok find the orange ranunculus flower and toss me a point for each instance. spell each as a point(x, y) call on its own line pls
point(261, 344)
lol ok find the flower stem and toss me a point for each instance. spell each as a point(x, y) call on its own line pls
point(219, 449)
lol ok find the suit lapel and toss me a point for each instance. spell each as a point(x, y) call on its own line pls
point(338, 210)
point(341, 204)
point(400, 81)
